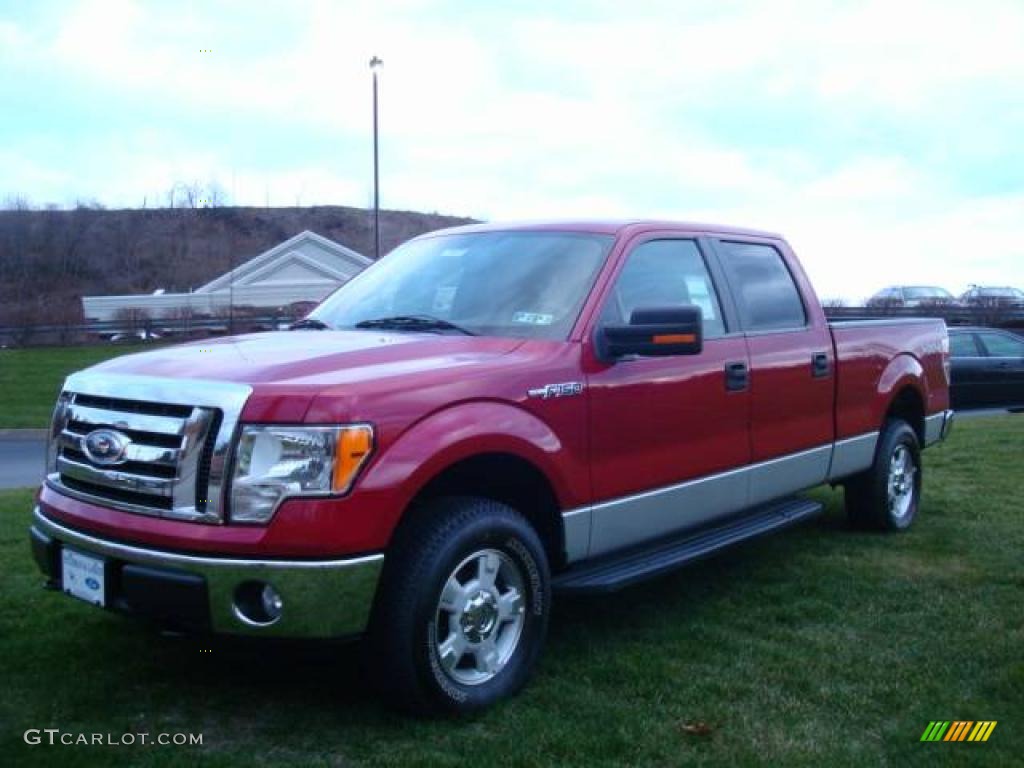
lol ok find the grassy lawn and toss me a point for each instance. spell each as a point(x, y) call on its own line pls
point(816, 647)
point(30, 379)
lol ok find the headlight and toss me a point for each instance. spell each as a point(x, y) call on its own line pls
point(274, 463)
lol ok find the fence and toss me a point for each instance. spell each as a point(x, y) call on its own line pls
point(101, 331)
point(198, 327)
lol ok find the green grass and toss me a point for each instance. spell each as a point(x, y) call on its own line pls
point(30, 379)
point(815, 647)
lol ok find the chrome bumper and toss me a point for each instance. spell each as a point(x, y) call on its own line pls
point(321, 598)
point(938, 426)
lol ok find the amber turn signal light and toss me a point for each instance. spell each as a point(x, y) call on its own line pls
point(355, 444)
point(674, 338)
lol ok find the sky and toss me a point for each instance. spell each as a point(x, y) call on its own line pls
point(885, 140)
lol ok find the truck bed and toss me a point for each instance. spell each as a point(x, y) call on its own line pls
point(874, 357)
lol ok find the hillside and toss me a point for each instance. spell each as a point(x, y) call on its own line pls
point(50, 258)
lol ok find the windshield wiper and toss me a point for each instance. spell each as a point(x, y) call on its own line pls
point(309, 323)
point(414, 323)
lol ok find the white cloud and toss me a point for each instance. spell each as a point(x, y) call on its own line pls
point(12, 38)
point(499, 115)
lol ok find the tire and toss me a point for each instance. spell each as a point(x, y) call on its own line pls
point(462, 611)
point(886, 497)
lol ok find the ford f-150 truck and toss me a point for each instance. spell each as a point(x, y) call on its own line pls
point(488, 416)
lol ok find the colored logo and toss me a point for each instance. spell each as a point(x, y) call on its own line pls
point(91, 583)
point(105, 446)
point(959, 730)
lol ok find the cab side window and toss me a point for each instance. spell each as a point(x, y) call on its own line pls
point(665, 273)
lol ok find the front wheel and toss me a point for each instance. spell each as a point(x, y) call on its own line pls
point(463, 608)
point(887, 495)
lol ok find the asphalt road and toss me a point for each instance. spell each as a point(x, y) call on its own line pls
point(21, 462)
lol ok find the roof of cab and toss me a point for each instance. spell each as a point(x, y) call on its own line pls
point(603, 227)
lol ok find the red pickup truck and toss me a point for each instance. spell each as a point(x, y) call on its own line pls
point(487, 416)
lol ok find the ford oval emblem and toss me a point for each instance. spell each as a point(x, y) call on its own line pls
point(91, 583)
point(106, 446)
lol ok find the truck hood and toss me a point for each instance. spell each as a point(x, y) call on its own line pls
point(311, 359)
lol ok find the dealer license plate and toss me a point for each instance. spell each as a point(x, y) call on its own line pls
point(83, 576)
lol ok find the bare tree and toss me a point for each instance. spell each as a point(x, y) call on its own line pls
point(89, 204)
point(191, 194)
point(17, 203)
point(185, 195)
point(215, 196)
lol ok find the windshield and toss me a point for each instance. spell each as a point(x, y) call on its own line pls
point(1003, 293)
point(926, 292)
point(525, 284)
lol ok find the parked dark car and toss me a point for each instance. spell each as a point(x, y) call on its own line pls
point(912, 296)
point(993, 296)
point(988, 368)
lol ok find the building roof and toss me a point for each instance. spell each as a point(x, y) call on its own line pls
point(319, 259)
point(303, 268)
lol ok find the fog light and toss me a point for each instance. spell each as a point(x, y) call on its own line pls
point(258, 603)
point(272, 603)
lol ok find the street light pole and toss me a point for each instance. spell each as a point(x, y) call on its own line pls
point(374, 63)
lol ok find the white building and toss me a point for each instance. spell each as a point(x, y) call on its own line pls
point(304, 268)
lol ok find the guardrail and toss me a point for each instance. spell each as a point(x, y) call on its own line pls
point(996, 317)
point(98, 331)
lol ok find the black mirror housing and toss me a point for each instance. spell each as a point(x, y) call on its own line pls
point(654, 331)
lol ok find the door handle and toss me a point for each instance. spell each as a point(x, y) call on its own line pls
point(737, 377)
point(820, 367)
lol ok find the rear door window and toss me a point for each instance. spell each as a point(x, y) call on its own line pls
point(1002, 345)
point(764, 289)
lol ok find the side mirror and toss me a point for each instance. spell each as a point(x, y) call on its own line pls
point(654, 331)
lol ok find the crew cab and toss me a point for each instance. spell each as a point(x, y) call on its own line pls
point(487, 416)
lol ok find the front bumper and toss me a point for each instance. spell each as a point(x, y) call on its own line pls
point(321, 598)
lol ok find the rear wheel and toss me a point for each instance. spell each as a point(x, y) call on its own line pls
point(887, 495)
point(463, 608)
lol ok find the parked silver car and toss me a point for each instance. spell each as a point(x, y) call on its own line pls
point(912, 296)
point(993, 296)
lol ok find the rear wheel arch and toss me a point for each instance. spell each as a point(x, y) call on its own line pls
point(903, 388)
point(908, 405)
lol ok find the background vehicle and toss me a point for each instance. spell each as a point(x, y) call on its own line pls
point(485, 415)
point(993, 296)
point(912, 296)
point(134, 336)
point(988, 368)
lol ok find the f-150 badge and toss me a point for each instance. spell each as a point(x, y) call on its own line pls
point(566, 389)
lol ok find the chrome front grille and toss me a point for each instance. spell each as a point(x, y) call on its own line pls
point(170, 457)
